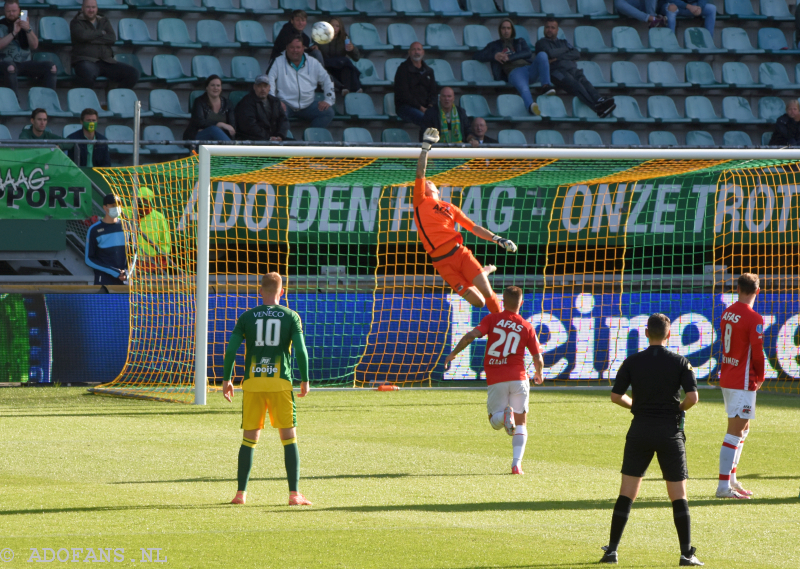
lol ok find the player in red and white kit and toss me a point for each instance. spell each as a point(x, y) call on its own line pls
point(504, 362)
point(741, 374)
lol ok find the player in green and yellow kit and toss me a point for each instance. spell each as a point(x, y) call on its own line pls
point(269, 331)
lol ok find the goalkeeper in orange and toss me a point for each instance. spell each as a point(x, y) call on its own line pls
point(436, 221)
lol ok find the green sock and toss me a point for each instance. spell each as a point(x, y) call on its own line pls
point(246, 452)
point(291, 457)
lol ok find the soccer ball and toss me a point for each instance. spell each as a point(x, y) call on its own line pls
point(322, 33)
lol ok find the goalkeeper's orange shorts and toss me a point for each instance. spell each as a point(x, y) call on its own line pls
point(458, 268)
point(280, 404)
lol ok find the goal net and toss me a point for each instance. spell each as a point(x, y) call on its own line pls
point(606, 237)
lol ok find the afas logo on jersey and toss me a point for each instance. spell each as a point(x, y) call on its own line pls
point(731, 317)
point(442, 209)
point(509, 325)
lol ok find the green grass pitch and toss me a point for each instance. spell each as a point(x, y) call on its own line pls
point(404, 479)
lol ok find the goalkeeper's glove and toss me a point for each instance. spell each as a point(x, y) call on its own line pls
point(506, 244)
point(431, 136)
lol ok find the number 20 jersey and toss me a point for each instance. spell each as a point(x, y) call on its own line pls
point(508, 336)
point(742, 334)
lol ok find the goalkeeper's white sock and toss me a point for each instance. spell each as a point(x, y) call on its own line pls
point(727, 454)
point(738, 455)
point(518, 442)
point(497, 421)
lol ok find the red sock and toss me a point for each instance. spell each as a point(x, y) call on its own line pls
point(493, 304)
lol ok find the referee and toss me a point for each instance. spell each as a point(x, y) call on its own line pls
point(655, 377)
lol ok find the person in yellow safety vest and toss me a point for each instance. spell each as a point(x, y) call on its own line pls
point(154, 239)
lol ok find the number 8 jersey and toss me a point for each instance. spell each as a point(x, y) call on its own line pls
point(508, 336)
point(742, 364)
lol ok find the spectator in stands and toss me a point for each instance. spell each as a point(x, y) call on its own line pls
point(38, 129)
point(512, 61)
point(92, 37)
point(105, 246)
point(414, 86)
point(294, 78)
point(448, 118)
point(671, 9)
point(89, 155)
point(212, 114)
point(260, 116)
point(642, 10)
point(339, 56)
point(477, 134)
point(565, 72)
point(16, 47)
point(294, 27)
point(787, 127)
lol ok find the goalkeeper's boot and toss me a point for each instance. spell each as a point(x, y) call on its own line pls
point(740, 489)
point(730, 493)
point(609, 556)
point(690, 560)
point(297, 499)
point(516, 470)
point(240, 498)
point(508, 420)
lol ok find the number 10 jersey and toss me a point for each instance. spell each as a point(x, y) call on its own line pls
point(508, 336)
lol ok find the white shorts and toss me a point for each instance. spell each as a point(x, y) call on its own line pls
point(514, 393)
point(739, 402)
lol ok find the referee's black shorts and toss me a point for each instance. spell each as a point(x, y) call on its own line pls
point(668, 443)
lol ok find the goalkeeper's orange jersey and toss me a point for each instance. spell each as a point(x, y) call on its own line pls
point(436, 221)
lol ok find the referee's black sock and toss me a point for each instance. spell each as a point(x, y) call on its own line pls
point(619, 518)
point(683, 523)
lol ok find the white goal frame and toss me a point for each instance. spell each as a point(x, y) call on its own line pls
point(409, 153)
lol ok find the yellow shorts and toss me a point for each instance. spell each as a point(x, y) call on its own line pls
point(280, 404)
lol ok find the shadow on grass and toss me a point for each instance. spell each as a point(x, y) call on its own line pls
point(160, 413)
point(321, 477)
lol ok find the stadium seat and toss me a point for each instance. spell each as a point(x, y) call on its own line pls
point(54, 30)
point(776, 10)
point(173, 33)
point(360, 105)
point(699, 41)
point(736, 40)
point(409, 9)
point(662, 109)
point(133, 31)
point(251, 34)
point(479, 74)
point(737, 74)
point(9, 106)
point(476, 106)
point(521, 9)
point(512, 108)
point(390, 67)
point(741, 10)
point(132, 60)
point(477, 36)
point(121, 103)
point(700, 74)
point(259, 7)
point(766, 138)
point(211, 33)
point(192, 96)
point(61, 74)
point(245, 68)
point(221, 7)
point(557, 9)
point(583, 113)
point(357, 135)
point(774, 75)
point(167, 67)
point(157, 133)
point(146, 5)
point(590, 42)
point(109, 6)
point(595, 76)
point(441, 37)
point(388, 106)
point(773, 41)
point(449, 9)
point(522, 32)
point(662, 40)
point(276, 28)
point(70, 129)
point(553, 137)
point(317, 135)
point(552, 108)
point(444, 73)
point(738, 110)
point(369, 75)
point(587, 138)
point(512, 137)
point(626, 74)
point(662, 74)
point(395, 135)
point(770, 108)
point(121, 132)
point(206, 65)
point(595, 9)
point(289, 5)
point(47, 99)
point(699, 109)
point(335, 8)
point(235, 97)
point(485, 9)
point(164, 103)
point(628, 110)
point(373, 9)
point(736, 138)
point(402, 35)
point(183, 6)
point(699, 138)
point(625, 138)
point(366, 37)
point(662, 138)
point(4, 132)
point(627, 40)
